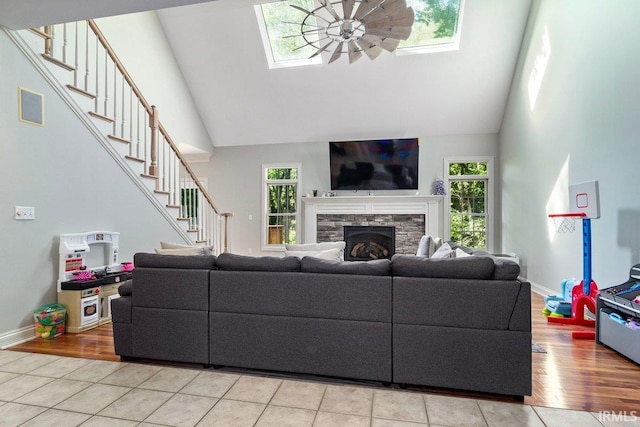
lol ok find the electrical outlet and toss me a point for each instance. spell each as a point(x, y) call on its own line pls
point(25, 212)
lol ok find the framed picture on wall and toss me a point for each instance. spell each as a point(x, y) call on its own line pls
point(30, 107)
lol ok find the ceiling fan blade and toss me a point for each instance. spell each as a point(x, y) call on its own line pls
point(389, 44)
point(354, 52)
point(336, 53)
point(322, 49)
point(327, 5)
point(366, 7)
point(369, 48)
point(401, 33)
point(308, 12)
point(347, 7)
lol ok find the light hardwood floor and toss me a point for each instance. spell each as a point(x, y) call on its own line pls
point(572, 374)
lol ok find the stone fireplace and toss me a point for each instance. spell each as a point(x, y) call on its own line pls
point(324, 218)
point(367, 242)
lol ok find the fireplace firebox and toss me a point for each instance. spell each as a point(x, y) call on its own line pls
point(365, 243)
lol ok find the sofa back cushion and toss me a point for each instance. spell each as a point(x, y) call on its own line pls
point(198, 262)
point(452, 268)
point(233, 262)
point(378, 267)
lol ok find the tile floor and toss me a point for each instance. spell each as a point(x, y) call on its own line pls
point(43, 390)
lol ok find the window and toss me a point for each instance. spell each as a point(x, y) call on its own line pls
point(469, 200)
point(279, 25)
point(280, 205)
point(436, 27)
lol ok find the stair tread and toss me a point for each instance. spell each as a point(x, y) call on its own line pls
point(101, 117)
point(81, 91)
point(58, 62)
point(135, 159)
point(117, 138)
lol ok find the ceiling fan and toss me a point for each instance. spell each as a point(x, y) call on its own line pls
point(355, 26)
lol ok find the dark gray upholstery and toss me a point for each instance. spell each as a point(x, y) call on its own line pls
point(233, 262)
point(202, 262)
point(454, 323)
point(378, 267)
point(447, 268)
point(337, 348)
point(322, 296)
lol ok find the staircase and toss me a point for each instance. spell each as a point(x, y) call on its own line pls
point(81, 65)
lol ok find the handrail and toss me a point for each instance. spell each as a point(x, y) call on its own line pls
point(150, 109)
point(146, 139)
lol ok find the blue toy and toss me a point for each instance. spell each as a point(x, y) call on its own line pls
point(560, 306)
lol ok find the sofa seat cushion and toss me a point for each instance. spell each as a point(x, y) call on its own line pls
point(473, 267)
point(207, 262)
point(378, 267)
point(234, 262)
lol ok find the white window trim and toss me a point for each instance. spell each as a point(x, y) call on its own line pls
point(490, 193)
point(264, 236)
point(264, 35)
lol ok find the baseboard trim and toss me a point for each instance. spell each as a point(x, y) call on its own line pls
point(16, 337)
point(542, 290)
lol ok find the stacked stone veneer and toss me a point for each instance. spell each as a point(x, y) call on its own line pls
point(409, 228)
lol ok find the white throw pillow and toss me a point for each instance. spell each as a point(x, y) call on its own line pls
point(443, 251)
point(428, 246)
point(189, 250)
point(169, 245)
point(459, 253)
point(333, 254)
point(315, 247)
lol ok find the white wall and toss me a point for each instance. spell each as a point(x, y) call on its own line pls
point(141, 45)
point(234, 176)
point(74, 185)
point(584, 126)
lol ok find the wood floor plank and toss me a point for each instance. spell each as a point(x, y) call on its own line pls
point(572, 374)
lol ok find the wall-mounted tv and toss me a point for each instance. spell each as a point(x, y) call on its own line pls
point(380, 164)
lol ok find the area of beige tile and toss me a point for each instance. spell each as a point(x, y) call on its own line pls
point(299, 394)
point(131, 375)
point(10, 356)
point(347, 400)
point(210, 384)
point(51, 394)
point(232, 413)
point(253, 389)
point(95, 370)
point(136, 405)
point(14, 414)
point(94, 398)
point(554, 417)
point(56, 418)
point(21, 385)
point(379, 422)
point(182, 410)
point(331, 419)
point(60, 367)
point(451, 411)
point(397, 405)
point(97, 421)
point(169, 379)
point(28, 363)
point(503, 414)
point(280, 416)
point(6, 376)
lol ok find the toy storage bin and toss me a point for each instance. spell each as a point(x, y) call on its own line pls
point(621, 338)
point(50, 320)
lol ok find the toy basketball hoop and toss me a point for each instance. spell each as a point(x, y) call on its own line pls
point(566, 222)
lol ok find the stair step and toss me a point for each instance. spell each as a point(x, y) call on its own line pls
point(58, 62)
point(118, 139)
point(80, 91)
point(40, 33)
point(162, 192)
point(135, 159)
point(173, 206)
point(101, 117)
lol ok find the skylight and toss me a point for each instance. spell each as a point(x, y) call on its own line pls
point(436, 29)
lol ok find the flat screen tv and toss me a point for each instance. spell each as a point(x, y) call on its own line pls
point(380, 164)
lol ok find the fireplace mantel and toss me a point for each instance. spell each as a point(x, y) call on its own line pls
point(430, 206)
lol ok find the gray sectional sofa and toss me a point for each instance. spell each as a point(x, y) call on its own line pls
point(462, 323)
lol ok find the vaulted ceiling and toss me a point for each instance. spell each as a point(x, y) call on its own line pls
point(242, 102)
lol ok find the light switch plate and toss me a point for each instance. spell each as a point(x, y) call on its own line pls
point(25, 212)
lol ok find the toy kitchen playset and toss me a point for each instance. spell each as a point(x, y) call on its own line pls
point(89, 277)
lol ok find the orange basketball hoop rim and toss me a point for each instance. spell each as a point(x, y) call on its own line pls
point(566, 222)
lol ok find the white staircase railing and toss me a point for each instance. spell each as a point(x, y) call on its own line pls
point(133, 125)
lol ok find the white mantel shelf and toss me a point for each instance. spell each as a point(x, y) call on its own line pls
point(430, 206)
